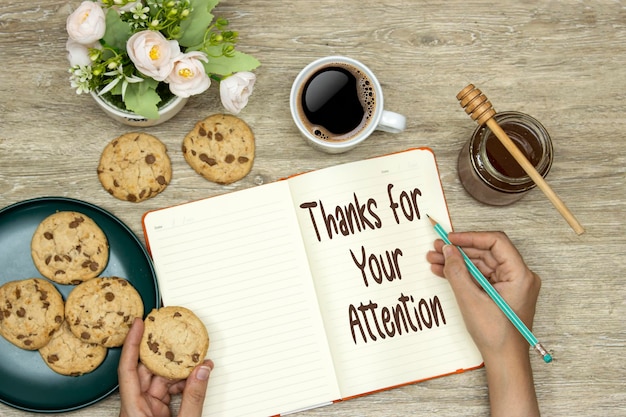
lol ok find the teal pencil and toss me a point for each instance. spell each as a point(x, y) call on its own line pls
point(496, 297)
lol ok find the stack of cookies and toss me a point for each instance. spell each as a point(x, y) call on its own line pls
point(72, 336)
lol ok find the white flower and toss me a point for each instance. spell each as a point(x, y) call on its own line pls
point(236, 89)
point(152, 54)
point(139, 11)
point(87, 24)
point(188, 76)
point(80, 77)
point(78, 54)
point(128, 6)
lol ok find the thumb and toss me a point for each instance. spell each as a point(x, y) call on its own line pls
point(195, 390)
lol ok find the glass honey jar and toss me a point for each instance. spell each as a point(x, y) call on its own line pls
point(489, 172)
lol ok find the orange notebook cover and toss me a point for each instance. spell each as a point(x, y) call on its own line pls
point(315, 289)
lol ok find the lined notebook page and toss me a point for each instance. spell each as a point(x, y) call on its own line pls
point(372, 362)
point(238, 262)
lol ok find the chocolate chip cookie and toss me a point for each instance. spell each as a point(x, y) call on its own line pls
point(220, 148)
point(102, 310)
point(174, 341)
point(30, 311)
point(135, 167)
point(68, 247)
point(66, 354)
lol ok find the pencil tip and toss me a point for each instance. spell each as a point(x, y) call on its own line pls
point(432, 221)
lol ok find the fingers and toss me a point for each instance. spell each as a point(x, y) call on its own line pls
point(479, 240)
point(481, 248)
point(457, 274)
point(160, 387)
point(127, 368)
point(492, 248)
point(178, 387)
point(195, 390)
point(436, 259)
point(489, 251)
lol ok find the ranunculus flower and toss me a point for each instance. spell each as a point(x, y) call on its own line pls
point(188, 76)
point(86, 24)
point(78, 54)
point(236, 89)
point(152, 54)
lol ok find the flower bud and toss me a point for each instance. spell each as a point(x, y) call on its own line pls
point(228, 50)
point(236, 89)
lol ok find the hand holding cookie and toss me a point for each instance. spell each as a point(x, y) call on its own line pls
point(142, 391)
point(174, 342)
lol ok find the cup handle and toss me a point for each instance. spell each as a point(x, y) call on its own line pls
point(391, 122)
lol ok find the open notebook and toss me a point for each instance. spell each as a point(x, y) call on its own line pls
point(315, 288)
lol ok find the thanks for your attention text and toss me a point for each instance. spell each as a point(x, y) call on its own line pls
point(368, 321)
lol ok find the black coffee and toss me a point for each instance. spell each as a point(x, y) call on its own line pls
point(337, 102)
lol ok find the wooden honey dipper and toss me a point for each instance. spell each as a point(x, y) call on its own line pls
point(480, 109)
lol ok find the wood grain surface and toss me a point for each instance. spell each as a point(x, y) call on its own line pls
point(563, 62)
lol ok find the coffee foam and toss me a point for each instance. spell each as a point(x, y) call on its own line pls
point(367, 97)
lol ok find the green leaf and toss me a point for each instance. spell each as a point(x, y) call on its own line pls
point(143, 99)
point(196, 24)
point(117, 31)
point(223, 65)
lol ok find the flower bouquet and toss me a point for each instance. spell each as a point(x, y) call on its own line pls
point(141, 53)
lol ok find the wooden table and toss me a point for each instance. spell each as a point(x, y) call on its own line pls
point(562, 62)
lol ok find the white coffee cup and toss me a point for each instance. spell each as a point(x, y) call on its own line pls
point(327, 98)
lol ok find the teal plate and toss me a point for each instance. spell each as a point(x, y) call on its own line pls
point(27, 382)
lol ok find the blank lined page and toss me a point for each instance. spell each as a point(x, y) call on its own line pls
point(388, 319)
point(238, 262)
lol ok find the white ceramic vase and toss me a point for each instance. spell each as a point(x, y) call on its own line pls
point(166, 112)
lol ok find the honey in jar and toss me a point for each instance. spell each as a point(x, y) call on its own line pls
point(489, 172)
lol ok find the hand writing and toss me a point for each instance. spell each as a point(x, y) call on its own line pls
point(504, 350)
